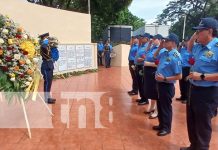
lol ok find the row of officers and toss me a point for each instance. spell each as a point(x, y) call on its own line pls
point(156, 62)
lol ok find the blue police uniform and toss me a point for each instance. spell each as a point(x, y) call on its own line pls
point(47, 68)
point(150, 85)
point(139, 70)
point(107, 51)
point(100, 48)
point(203, 101)
point(183, 83)
point(132, 54)
point(169, 65)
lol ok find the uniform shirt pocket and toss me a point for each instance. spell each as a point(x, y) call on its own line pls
point(207, 59)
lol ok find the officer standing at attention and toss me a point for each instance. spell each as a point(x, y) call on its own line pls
point(107, 51)
point(203, 102)
point(132, 54)
point(183, 83)
point(168, 71)
point(100, 48)
point(150, 69)
point(139, 62)
point(47, 67)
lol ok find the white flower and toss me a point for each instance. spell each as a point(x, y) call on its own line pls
point(27, 83)
point(0, 61)
point(17, 56)
point(35, 60)
point(1, 41)
point(25, 36)
point(12, 79)
point(28, 61)
point(30, 79)
point(5, 31)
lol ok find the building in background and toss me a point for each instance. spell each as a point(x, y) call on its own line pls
point(153, 29)
point(118, 33)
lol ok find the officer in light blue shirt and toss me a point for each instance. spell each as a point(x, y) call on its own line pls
point(203, 102)
point(100, 48)
point(150, 68)
point(183, 83)
point(168, 71)
point(139, 62)
point(132, 54)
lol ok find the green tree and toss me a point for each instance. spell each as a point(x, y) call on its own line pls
point(193, 9)
point(103, 12)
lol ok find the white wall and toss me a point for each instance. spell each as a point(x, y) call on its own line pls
point(69, 27)
point(122, 53)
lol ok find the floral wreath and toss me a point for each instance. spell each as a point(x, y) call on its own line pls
point(18, 58)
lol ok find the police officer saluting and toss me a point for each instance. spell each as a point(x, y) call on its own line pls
point(47, 67)
point(132, 54)
point(168, 71)
point(203, 101)
point(150, 69)
point(139, 62)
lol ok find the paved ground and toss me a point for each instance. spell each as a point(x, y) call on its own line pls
point(125, 125)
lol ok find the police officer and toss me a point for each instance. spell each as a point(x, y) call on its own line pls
point(168, 71)
point(132, 54)
point(100, 48)
point(107, 51)
point(139, 62)
point(47, 67)
point(183, 83)
point(149, 75)
point(203, 102)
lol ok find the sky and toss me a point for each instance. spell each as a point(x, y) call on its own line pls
point(148, 9)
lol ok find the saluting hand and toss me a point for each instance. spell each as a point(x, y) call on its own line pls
point(194, 76)
point(159, 77)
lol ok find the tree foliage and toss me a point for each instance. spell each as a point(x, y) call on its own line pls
point(193, 9)
point(103, 12)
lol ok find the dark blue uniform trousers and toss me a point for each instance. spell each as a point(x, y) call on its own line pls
point(166, 92)
point(184, 84)
point(47, 72)
point(201, 108)
point(133, 75)
point(107, 59)
point(140, 81)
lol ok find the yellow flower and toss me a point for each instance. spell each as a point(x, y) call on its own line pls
point(10, 41)
point(12, 75)
point(29, 47)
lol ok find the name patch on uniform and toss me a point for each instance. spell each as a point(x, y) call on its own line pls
point(209, 54)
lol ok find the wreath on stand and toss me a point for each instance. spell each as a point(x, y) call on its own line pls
point(18, 60)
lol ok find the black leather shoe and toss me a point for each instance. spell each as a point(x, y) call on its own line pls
point(179, 98)
point(50, 102)
point(130, 91)
point(163, 133)
point(137, 100)
point(53, 99)
point(143, 102)
point(185, 148)
point(157, 128)
point(133, 93)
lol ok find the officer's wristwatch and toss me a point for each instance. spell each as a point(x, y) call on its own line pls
point(165, 79)
point(202, 76)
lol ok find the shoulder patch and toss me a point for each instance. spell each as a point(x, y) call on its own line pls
point(175, 54)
